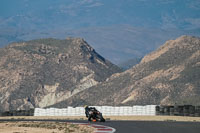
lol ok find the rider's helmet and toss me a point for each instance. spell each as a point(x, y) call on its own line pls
point(86, 106)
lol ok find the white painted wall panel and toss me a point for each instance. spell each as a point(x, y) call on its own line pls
point(105, 110)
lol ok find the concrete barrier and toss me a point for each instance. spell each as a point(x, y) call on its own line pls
point(105, 110)
point(148, 110)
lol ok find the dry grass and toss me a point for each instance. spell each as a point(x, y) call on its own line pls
point(135, 118)
point(156, 118)
point(45, 127)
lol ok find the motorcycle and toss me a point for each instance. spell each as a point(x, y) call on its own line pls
point(95, 115)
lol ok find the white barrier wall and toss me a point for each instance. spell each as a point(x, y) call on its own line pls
point(105, 110)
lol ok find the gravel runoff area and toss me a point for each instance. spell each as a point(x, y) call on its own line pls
point(43, 127)
point(131, 118)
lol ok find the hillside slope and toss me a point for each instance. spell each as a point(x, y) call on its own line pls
point(48, 71)
point(170, 75)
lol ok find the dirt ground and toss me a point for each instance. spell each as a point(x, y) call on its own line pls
point(156, 118)
point(136, 118)
point(44, 127)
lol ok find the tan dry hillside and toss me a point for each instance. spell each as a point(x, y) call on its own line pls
point(48, 71)
point(170, 75)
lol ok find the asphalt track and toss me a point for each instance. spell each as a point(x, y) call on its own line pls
point(138, 126)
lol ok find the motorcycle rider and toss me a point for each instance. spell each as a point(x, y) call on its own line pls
point(89, 112)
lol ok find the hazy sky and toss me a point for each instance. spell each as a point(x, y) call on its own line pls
point(117, 29)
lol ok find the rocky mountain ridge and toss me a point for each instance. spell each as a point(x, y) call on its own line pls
point(47, 71)
point(168, 76)
point(61, 73)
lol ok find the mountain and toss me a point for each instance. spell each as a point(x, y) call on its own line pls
point(118, 43)
point(44, 72)
point(130, 28)
point(169, 75)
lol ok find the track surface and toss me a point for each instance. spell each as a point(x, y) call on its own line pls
point(140, 126)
